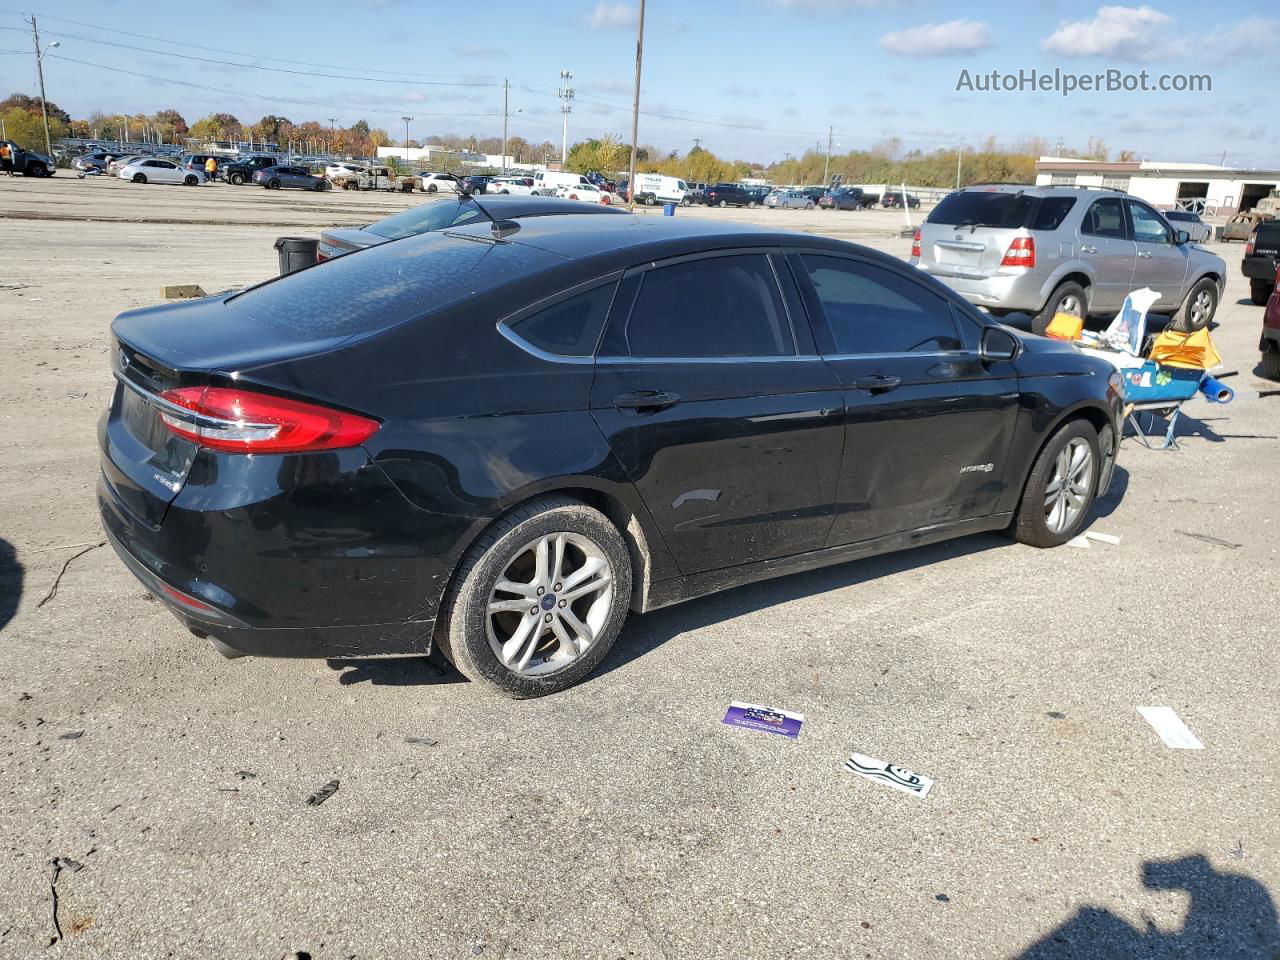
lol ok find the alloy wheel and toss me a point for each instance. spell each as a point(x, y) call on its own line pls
point(550, 604)
point(1201, 309)
point(1067, 493)
point(1071, 304)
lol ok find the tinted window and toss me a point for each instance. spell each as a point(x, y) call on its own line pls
point(1147, 225)
point(1104, 219)
point(874, 310)
point(1267, 234)
point(426, 217)
point(1179, 215)
point(387, 284)
point(982, 209)
point(1051, 212)
point(571, 327)
point(716, 307)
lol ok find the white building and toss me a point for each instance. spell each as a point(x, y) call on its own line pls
point(1195, 186)
point(432, 153)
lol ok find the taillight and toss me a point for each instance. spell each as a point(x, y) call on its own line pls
point(1248, 248)
point(1021, 253)
point(915, 244)
point(321, 256)
point(240, 421)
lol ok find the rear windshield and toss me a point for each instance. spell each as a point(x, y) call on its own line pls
point(1268, 234)
point(385, 285)
point(424, 218)
point(982, 209)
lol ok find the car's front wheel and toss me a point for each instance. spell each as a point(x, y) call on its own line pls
point(236, 179)
point(538, 600)
point(1060, 489)
point(1198, 309)
point(1068, 298)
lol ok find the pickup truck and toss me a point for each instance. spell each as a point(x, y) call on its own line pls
point(1262, 260)
point(372, 178)
point(29, 163)
point(848, 198)
point(242, 170)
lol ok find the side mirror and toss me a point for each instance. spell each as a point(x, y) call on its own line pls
point(1181, 236)
point(998, 344)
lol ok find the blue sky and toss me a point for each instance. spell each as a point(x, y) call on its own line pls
point(754, 79)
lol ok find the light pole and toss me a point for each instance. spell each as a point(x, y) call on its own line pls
point(635, 113)
point(333, 139)
point(565, 93)
point(44, 107)
point(959, 157)
point(406, 137)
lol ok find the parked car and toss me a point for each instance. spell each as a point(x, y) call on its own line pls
point(340, 168)
point(894, 199)
point(782, 199)
point(197, 161)
point(585, 193)
point(1048, 250)
point(814, 193)
point(242, 169)
point(29, 163)
point(1269, 342)
point(697, 193)
point(1262, 260)
point(457, 441)
point(116, 164)
point(437, 182)
point(728, 195)
point(478, 184)
point(759, 194)
point(448, 212)
point(1240, 227)
point(847, 198)
point(150, 170)
point(273, 178)
point(372, 177)
point(522, 186)
point(1197, 229)
point(92, 161)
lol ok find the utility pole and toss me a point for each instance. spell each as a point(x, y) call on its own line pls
point(826, 167)
point(506, 91)
point(635, 113)
point(406, 137)
point(333, 137)
point(565, 93)
point(959, 157)
point(44, 107)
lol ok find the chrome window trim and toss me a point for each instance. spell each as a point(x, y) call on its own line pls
point(538, 352)
point(171, 408)
point(614, 361)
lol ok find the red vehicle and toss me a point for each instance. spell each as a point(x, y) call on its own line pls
point(1269, 342)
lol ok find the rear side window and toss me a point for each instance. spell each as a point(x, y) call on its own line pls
point(982, 209)
point(1104, 219)
point(874, 310)
point(387, 284)
point(571, 327)
point(713, 307)
point(1051, 212)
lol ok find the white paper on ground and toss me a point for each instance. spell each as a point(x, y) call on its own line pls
point(1081, 541)
point(1172, 730)
point(900, 778)
point(1110, 538)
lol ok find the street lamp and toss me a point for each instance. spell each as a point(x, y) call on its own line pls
point(44, 109)
point(406, 137)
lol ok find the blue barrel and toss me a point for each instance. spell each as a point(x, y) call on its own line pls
point(668, 209)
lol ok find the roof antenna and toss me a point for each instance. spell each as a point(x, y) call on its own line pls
point(501, 229)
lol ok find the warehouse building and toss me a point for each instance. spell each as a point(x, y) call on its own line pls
point(1201, 187)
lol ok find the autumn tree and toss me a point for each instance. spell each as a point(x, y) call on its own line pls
point(26, 129)
point(170, 123)
point(20, 101)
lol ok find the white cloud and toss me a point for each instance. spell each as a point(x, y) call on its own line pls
point(1135, 32)
point(612, 16)
point(939, 39)
point(824, 4)
point(1241, 40)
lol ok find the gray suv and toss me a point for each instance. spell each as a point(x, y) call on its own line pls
point(1049, 250)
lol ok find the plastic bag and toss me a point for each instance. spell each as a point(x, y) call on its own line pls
point(1129, 328)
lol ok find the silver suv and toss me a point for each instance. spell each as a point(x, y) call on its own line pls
point(1049, 250)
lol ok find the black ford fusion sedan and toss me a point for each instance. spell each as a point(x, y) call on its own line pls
point(501, 439)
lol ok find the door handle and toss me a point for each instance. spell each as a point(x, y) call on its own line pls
point(1088, 249)
point(877, 384)
point(646, 401)
point(1145, 255)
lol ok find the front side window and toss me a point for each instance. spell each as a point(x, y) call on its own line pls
point(1104, 219)
point(713, 307)
point(874, 310)
point(1147, 225)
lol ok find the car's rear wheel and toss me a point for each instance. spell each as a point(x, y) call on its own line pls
point(538, 600)
point(1068, 298)
point(431, 188)
point(1198, 309)
point(723, 203)
point(236, 179)
point(190, 180)
point(273, 184)
point(1260, 291)
point(1271, 363)
point(139, 178)
point(1060, 489)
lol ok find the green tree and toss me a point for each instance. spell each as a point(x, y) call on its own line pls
point(26, 129)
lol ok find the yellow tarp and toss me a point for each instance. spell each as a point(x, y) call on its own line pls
point(1191, 351)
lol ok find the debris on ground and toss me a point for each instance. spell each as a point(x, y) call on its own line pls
point(246, 775)
point(59, 864)
point(421, 741)
point(1172, 730)
point(755, 717)
point(53, 591)
point(323, 794)
point(72, 735)
point(1110, 538)
point(1205, 538)
point(1081, 541)
point(900, 778)
point(1056, 715)
point(181, 291)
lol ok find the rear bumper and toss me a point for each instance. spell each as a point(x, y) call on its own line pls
point(1259, 268)
point(1001, 291)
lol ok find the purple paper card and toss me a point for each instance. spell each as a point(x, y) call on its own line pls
point(755, 717)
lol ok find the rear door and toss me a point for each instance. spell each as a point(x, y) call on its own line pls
point(711, 396)
point(1107, 246)
point(928, 423)
point(1160, 263)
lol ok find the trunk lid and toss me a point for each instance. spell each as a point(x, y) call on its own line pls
point(969, 232)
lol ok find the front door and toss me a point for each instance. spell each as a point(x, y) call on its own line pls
point(1106, 246)
point(731, 435)
point(1161, 264)
point(928, 423)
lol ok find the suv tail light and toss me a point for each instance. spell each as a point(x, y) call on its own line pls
point(915, 244)
point(1021, 253)
point(1248, 247)
point(241, 421)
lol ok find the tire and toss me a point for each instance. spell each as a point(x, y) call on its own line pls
point(191, 180)
point(273, 185)
point(723, 203)
point(684, 201)
point(37, 170)
point(468, 631)
point(236, 179)
point(319, 187)
point(650, 201)
point(1031, 522)
point(1069, 297)
point(432, 188)
point(139, 178)
point(1271, 364)
point(809, 205)
point(1260, 291)
point(1198, 308)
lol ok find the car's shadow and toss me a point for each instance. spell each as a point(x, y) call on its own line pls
point(11, 576)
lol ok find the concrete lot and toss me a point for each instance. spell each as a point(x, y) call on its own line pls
point(622, 819)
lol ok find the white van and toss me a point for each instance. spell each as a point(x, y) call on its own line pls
point(654, 188)
point(545, 183)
